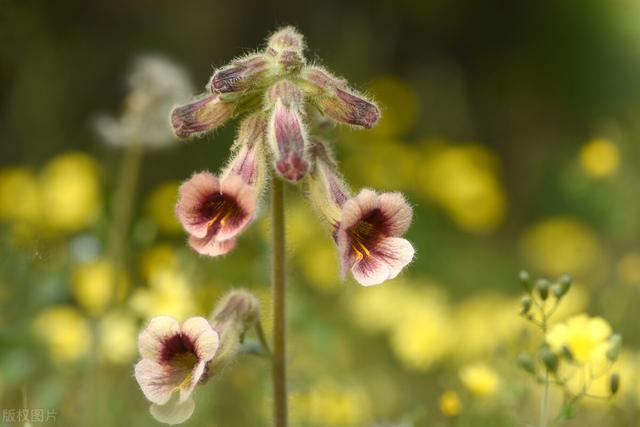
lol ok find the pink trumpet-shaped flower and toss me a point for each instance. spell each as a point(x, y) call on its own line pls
point(369, 236)
point(201, 116)
point(287, 135)
point(213, 212)
point(175, 360)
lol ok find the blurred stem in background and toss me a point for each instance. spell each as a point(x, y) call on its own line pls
point(279, 375)
point(123, 199)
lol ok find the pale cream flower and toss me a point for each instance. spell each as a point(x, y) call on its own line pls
point(174, 361)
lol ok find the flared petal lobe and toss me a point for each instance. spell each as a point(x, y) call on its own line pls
point(201, 116)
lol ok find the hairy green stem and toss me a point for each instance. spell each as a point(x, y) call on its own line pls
point(278, 360)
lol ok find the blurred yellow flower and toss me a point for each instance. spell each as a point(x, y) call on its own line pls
point(158, 257)
point(389, 166)
point(415, 314)
point(561, 244)
point(66, 333)
point(463, 179)
point(161, 205)
point(379, 308)
point(118, 335)
point(19, 195)
point(425, 334)
point(479, 379)
point(599, 158)
point(629, 268)
point(71, 192)
point(449, 403)
point(302, 227)
point(319, 264)
point(93, 285)
point(168, 294)
point(598, 379)
point(585, 337)
point(483, 323)
point(329, 404)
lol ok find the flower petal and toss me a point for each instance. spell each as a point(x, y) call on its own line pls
point(203, 337)
point(370, 271)
point(397, 213)
point(354, 209)
point(152, 337)
point(174, 412)
point(156, 381)
point(396, 252)
point(210, 246)
point(193, 195)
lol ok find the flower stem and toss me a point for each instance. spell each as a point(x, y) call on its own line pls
point(122, 211)
point(278, 367)
point(544, 404)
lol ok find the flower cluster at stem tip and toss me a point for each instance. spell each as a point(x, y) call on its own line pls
point(573, 354)
point(285, 103)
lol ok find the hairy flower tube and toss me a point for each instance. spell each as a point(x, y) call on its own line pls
point(176, 358)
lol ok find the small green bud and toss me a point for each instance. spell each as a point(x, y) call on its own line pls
point(614, 350)
point(542, 286)
point(525, 280)
point(566, 353)
point(525, 302)
point(549, 359)
point(561, 288)
point(614, 383)
point(526, 362)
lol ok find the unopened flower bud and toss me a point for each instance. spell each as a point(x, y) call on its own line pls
point(542, 286)
point(248, 159)
point(566, 353)
point(561, 288)
point(549, 359)
point(614, 383)
point(243, 74)
point(525, 279)
point(337, 101)
point(525, 302)
point(287, 135)
point(327, 189)
point(201, 116)
point(285, 39)
point(614, 350)
point(526, 362)
point(234, 314)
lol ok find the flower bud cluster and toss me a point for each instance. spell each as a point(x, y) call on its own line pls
point(580, 344)
point(279, 97)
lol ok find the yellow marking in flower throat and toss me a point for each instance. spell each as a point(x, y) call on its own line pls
point(360, 232)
